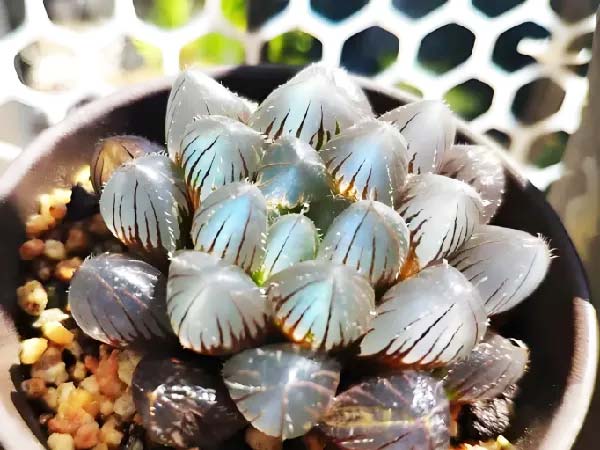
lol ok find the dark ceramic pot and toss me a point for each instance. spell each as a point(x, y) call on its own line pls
point(557, 321)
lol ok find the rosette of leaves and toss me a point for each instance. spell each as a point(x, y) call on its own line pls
point(356, 238)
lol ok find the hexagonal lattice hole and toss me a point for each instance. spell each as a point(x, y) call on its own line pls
point(337, 10)
point(235, 12)
point(130, 60)
point(12, 14)
point(578, 46)
point(167, 13)
point(370, 51)
point(259, 12)
point(445, 48)
point(410, 88)
point(470, 99)
point(574, 10)
point(500, 137)
point(495, 8)
point(548, 149)
point(537, 100)
point(210, 50)
point(78, 13)
point(20, 123)
point(41, 66)
point(505, 52)
point(294, 47)
point(415, 9)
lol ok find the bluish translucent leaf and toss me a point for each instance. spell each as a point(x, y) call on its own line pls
point(368, 161)
point(323, 305)
point(371, 238)
point(505, 265)
point(195, 93)
point(398, 412)
point(441, 214)
point(214, 307)
point(428, 320)
point(291, 239)
point(231, 223)
point(494, 364)
point(282, 389)
point(292, 173)
point(120, 301)
point(313, 106)
point(429, 128)
point(144, 204)
point(481, 168)
point(217, 150)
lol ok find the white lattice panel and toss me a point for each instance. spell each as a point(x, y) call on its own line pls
point(92, 60)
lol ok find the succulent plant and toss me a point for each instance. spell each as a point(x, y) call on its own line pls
point(429, 320)
point(313, 106)
point(282, 389)
point(120, 300)
point(406, 275)
point(114, 151)
point(429, 129)
point(218, 150)
point(144, 204)
point(505, 265)
point(368, 161)
point(370, 237)
point(214, 307)
point(183, 404)
point(194, 94)
point(492, 366)
point(403, 411)
point(323, 305)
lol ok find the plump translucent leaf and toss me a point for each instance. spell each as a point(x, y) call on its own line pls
point(282, 389)
point(428, 320)
point(505, 265)
point(195, 93)
point(441, 214)
point(320, 304)
point(217, 150)
point(144, 204)
point(182, 404)
point(481, 168)
point(292, 173)
point(398, 412)
point(494, 364)
point(429, 128)
point(371, 238)
point(214, 307)
point(113, 151)
point(324, 210)
point(120, 301)
point(368, 161)
point(313, 106)
point(232, 223)
point(291, 239)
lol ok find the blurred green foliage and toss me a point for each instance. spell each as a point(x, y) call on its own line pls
point(235, 12)
point(410, 88)
point(173, 13)
point(151, 55)
point(548, 150)
point(212, 49)
point(294, 48)
point(470, 99)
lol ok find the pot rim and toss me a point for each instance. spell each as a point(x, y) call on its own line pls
point(569, 415)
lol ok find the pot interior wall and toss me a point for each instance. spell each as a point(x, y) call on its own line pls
point(545, 321)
